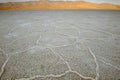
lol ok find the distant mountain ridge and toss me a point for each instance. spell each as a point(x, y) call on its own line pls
point(58, 5)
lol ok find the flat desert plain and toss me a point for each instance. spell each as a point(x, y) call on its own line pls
point(60, 45)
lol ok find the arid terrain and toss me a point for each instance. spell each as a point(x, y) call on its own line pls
point(60, 45)
point(49, 5)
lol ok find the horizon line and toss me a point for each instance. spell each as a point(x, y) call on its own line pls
point(54, 5)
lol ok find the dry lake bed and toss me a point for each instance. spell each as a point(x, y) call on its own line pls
point(60, 45)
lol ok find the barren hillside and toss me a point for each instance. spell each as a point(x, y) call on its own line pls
point(41, 5)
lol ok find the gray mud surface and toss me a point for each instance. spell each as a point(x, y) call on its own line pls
point(60, 45)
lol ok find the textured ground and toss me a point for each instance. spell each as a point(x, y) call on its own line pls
point(59, 45)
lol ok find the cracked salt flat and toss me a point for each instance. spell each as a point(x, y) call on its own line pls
point(105, 53)
point(59, 45)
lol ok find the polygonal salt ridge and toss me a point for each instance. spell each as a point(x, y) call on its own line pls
point(109, 54)
point(75, 56)
point(103, 60)
point(59, 76)
point(99, 31)
point(4, 59)
point(93, 34)
point(4, 29)
point(108, 71)
point(40, 62)
point(35, 26)
point(68, 31)
point(53, 39)
point(21, 32)
point(22, 43)
point(17, 32)
point(11, 35)
point(65, 76)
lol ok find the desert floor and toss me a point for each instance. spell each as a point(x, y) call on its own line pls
point(60, 45)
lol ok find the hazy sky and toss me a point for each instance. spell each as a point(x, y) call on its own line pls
point(108, 1)
point(98, 1)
